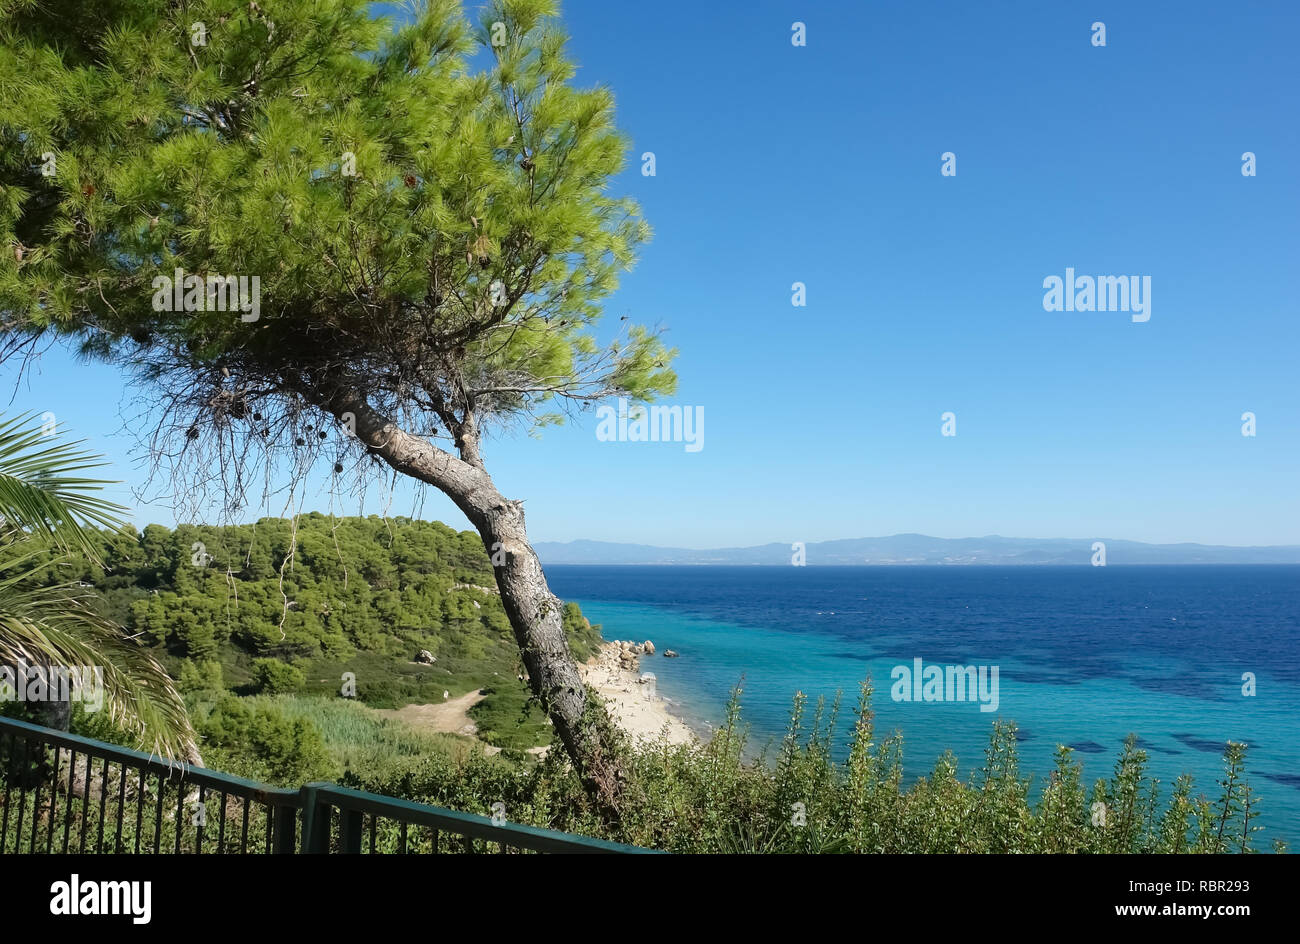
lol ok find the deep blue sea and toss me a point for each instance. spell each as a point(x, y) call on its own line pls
point(1085, 655)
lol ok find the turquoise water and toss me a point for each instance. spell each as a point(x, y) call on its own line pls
point(1083, 658)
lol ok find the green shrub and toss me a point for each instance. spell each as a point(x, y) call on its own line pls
point(201, 677)
point(273, 677)
point(263, 743)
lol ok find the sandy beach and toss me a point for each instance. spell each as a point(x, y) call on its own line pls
point(646, 719)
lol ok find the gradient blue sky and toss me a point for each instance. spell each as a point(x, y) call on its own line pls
point(821, 164)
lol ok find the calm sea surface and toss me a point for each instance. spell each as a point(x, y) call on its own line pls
point(1085, 655)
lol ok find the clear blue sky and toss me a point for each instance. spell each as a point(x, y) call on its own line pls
point(821, 164)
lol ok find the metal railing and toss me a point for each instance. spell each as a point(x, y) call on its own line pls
point(65, 793)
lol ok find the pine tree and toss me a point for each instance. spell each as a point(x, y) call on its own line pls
point(324, 237)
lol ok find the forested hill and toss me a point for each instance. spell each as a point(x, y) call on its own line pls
point(359, 595)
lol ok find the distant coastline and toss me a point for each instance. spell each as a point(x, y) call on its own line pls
point(918, 550)
point(676, 563)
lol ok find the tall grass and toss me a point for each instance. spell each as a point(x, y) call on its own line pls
point(334, 736)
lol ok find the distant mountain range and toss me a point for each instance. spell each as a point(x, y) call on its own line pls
point(919, 549)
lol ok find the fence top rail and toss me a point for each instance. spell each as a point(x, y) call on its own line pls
point(466, 824)
point(199, 776)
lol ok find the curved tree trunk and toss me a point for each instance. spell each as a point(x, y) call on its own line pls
point(534, 612)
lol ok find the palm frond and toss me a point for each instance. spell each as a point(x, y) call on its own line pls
point(46, 506)
point(40, 493)
point(53, 626)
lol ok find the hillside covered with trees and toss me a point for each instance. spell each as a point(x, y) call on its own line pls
point(234, 608)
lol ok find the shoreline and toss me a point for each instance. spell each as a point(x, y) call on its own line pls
point(644, 719)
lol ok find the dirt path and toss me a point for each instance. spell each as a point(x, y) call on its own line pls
point(646, 719)
point(447, 717)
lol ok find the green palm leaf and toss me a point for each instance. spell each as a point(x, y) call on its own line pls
point(40, 493)
point(51, 626)
point(44, 505)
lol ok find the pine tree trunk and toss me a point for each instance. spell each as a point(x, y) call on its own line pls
point(534, 612)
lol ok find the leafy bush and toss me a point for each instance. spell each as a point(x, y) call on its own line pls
point(259, 740)
point(273, 677)
point(201, 677)
point(584, 638)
